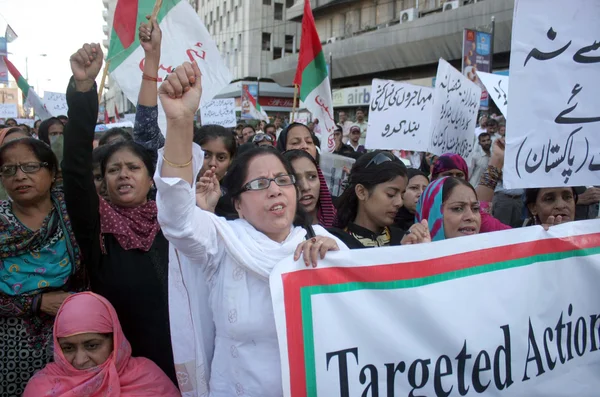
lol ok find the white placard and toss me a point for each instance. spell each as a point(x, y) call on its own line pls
point(335, 169)
point(399, 116)
point(497, 88)
point(8, 110)
point(552, 134)
point(220, 112)
point(456, 102)
point(56, 103)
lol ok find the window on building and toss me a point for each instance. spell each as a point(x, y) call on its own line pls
point(221, 23)
point(228, 18)
point(278, 11)
point(289, 44)
point(217, 12)
point(224, 7)
point(239, 43)
point(235, 15)
point(211, 17)
point(289, 3)
point(266, 41)
point(277, 52)
point(231, 47)
point(266, 2)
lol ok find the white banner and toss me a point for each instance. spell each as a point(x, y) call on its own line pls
point(8, 110)
point(552, 133)
point(220, 112)
point(56, 103)
point(497, 88)
point(520, 316)
point(456, 102)
point(399, 116)
point(335, 169)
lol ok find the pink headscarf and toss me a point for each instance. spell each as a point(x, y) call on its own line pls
point(120, 375)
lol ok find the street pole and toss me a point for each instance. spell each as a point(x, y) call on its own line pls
point(492, 44)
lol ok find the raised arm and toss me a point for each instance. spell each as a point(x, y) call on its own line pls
point(78, 179)
point(492, 174)
point(146, 131)
point(190, 229)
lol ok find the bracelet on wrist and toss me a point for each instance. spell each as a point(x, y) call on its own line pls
point(175, 165)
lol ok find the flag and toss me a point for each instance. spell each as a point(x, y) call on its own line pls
point(256, 111)
point(313, 80)
point(184, 38)
point(29, 95)
point(117, 118)
point(10, 34)
point(106, 118)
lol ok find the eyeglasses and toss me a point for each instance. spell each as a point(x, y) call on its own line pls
point(379, 159)
point(262, 137)
point(28, 168)
point(264, 183)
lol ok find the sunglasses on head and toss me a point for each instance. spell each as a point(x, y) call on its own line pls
point(379, 159)
point(262, 137)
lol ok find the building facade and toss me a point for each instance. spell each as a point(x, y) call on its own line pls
point(395, 39)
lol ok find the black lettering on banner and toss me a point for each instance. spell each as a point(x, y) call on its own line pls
point(437, 382)
point(478, 369)
point(580, 336)
point(421, 366)
point(462, 358)
point(391, 370)
point(594, 332)
point(342, 356)
point(532, 345)
point(548, 336)
point(503, 350)
point(373, 385)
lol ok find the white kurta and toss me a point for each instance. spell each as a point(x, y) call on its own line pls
point(233, 260)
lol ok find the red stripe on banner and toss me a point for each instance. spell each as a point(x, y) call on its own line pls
point(125, 21)
point(293, 282)
point(310, 44)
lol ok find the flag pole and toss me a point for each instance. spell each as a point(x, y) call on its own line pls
point(294, 104)
point(103, 81)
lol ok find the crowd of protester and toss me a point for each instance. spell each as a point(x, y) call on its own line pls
point(88, 233)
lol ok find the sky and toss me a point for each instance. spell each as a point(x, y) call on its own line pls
point(56, 28)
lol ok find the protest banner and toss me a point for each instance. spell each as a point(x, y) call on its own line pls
point(497, 87)
point(555, 111)
point(28, 122)
point(477, 57)
point(455, 107)
point(106, 127)
point(56, 103)
point(335, 169)
point(220, 112)
point(518, 316)
point(399, 116)
point(8, 110)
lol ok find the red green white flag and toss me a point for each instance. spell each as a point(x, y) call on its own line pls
point(313, 79)
point(29, 95)
point(256, 111)
point(184, 38)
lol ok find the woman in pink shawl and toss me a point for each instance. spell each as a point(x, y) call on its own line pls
point(92, 357)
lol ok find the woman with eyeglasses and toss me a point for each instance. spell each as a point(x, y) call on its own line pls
point(235, 257)
point(8, 135)
point(371, 201)
point(123, 247)
point(39, 260)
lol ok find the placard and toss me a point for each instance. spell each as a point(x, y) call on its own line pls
point(56, 103)
point(455, 105)
point(510, 316)
point(497, 87)
point(335, 169)
point(399, 116)
point(8, 110)
point(552, 132)
point(220, 112)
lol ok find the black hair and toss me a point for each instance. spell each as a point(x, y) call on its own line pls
point(451, 183)
point(249, 126)
point(41, 151)
point(13, 130)
point(296, 154)
point(282, 140)
point(368, 175)
point(491, 123)
point(531, 196)
point(99, 154)
point(113, 132)
point(412, 172)
point(43, 134)
point(238, 172)
point(270, 126)
point(135, 148)
point(25, 128)
point(37, 121)
point(62, 117)
point(210, 132)
point(9, 119)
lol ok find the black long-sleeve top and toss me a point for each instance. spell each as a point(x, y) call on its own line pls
point(134, 281)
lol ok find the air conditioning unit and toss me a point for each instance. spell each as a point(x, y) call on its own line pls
point(408, 15)
point(451, 5)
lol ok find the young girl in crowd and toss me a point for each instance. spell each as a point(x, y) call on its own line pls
point(417, 183)
point(235, 257)
point(92, 356)
point(121, 241)
point(371, 202)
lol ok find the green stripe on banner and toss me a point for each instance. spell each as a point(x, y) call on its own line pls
point(313, 75)
point(307, 293)
point(116, 53)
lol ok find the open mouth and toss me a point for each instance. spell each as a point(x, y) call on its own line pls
point(124, 188)
point(23, 188)
point(467, 230)
point(277, 209)
point(307, 199)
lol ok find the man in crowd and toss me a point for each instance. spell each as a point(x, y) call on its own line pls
point(480, 159)
point(239, 138)
point(247, 133)
point(502, 130)
point(10, 123)
point(346, 124)
point(270, 129)
point(340, 147)
point(492, 129)
point(278, 125)
point(362, 124)
point(354, 139)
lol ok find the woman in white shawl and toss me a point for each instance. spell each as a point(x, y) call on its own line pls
point(232, 258)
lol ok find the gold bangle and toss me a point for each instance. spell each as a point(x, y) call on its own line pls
point(177, 165)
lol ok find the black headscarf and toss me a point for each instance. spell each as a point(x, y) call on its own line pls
point(282, 140)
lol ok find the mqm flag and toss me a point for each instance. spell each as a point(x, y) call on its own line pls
point(313, 80)
point(106, 118)
point(117, 118)
point(184, 38)
point(255, 111)
point(29, 95)
point(10, 34)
